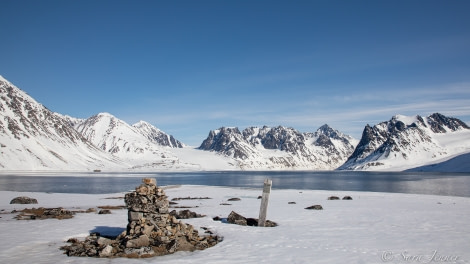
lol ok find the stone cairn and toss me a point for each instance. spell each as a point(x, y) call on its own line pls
point(151, 230)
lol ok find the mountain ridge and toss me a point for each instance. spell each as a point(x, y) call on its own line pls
point(34, 138)
point(281, 147)
point(411, 141)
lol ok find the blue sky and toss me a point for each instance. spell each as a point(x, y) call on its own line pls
point(189, 67)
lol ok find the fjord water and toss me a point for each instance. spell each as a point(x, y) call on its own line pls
point(450, 184)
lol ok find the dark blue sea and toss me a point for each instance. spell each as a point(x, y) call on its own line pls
point(450, 184)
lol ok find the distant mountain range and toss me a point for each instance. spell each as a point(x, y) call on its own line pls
point(281, 147)
point(34, 138)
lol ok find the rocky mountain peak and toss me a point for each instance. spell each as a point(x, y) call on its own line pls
point(219, 139)
point(442, 124)
point(156, 135)
point(402, 138)
point(326, 130)
point(283, 138)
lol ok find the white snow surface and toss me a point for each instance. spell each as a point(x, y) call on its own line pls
point(371, 228)
point(444, 147)
point(459, 163)
point(407, 120)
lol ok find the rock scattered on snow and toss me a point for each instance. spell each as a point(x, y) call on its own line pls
point(235, 218)
point(23, 200)
point(315, 207)
point(185, 214)
point(45, 213)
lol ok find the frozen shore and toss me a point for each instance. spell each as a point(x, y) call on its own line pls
point(371, 228)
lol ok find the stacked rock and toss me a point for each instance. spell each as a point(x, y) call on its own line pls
point(150, 223)
point(151, 230)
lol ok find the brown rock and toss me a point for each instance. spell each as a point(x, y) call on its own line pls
point(142, 241)
point(107, 251)
point(150, 181)
point(235, 218)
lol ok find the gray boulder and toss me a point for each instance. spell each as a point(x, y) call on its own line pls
point(315, 207)
point(23, 200)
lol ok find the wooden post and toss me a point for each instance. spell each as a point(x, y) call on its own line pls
point(264, 202)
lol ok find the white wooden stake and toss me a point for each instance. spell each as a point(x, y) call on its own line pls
point(264, 202)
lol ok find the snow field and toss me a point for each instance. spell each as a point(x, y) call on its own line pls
point(371, 228)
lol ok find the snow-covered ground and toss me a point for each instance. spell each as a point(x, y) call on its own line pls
point(371, 228)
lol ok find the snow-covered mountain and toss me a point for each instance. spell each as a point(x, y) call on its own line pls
point(407, 142)
point(142, 145)
point(34, 138)
point(281, 147)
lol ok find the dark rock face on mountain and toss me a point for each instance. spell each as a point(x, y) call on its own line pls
point(440, 123)
point(281, 138)
point(281, 147)
point(24, 117)
point(229, 141)
point(402, 140)
point(157, 136)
